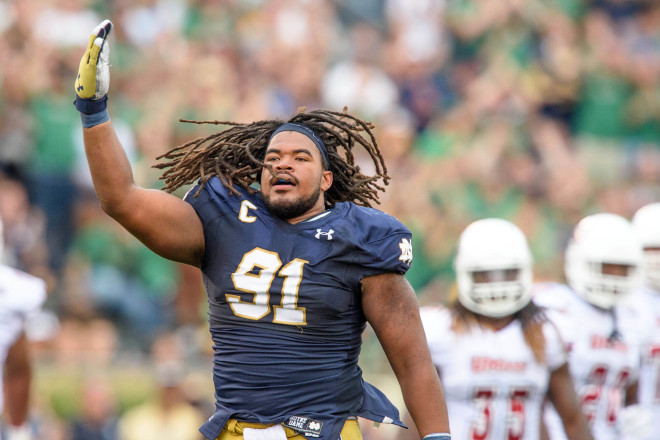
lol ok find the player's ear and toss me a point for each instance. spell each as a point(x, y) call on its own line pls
point(326, 180)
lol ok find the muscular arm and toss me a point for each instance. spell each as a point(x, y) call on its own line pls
point(390, 305)
point(166, 224)
point(562, 395)
point(18, 377)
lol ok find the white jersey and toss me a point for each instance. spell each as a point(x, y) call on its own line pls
point(494, 387)
point(601, 369)
point(20, 296)
point(647, 303)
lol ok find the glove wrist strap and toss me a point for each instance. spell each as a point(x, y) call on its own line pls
point(90, 106)
point(437, 436)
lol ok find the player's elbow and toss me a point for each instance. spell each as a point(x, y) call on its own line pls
point(119, 209)
point(117, 204)
point(112, 206)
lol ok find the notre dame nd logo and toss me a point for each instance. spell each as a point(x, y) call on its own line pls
point(406, 251)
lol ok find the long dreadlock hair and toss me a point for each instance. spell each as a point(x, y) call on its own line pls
point(531, 319)
point(236, 156)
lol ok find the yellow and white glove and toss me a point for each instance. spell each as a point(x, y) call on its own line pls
point(93, 80)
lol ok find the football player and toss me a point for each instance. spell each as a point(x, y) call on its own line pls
point(21, 295)
point(497, 355)
point(602, 267)
point(294, 261)
point(646, 223)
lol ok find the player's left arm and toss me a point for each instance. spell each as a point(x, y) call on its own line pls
point(391, 307)
point(561, 393)
point(18, 378)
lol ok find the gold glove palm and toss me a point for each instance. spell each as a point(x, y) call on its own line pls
point(93, 80)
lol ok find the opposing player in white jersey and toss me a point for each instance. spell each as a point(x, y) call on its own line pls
point(20, 295)
point(602, 266)
point(497, 355)
point(646, 223)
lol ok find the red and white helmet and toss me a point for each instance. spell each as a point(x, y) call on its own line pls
point(599, 240)
point(499, 248)
point(646, 222)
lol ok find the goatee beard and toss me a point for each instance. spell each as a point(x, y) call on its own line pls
point(289, 209)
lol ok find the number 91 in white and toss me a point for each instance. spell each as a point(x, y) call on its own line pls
point(255, 275)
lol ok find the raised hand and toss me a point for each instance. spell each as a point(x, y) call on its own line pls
point(93, 80)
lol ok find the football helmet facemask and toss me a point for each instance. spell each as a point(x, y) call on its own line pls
point(601, 242)
point(493, 267)
point(646, 223)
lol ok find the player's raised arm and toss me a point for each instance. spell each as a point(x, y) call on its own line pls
point(390, 305)
point(166, 224)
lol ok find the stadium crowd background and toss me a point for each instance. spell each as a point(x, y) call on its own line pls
point(536, 111)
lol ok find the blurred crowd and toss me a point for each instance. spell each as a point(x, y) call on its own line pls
point(535, 111)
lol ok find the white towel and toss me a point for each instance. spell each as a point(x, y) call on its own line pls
point(275, 432)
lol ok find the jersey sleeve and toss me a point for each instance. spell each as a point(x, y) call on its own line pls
point(386, 243)
point(36, 299)
point(28, 294)
point(209, 204)
point(202, 199)
point(636, 319)
point(556, 353)
point(437, 326)
point(551, 295)
point(555, 299)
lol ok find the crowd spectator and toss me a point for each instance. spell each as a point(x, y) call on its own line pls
point(98, 413)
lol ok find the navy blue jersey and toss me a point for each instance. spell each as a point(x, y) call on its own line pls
point(285, 310)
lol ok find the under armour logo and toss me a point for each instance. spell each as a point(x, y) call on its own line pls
point(406, 251)
point(320, 232)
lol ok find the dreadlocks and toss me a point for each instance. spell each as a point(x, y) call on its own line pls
point(235, 155)
point(531, 319)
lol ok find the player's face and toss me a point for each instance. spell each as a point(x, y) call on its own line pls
point(494, 276)
point(294, 189)
point(620, 270)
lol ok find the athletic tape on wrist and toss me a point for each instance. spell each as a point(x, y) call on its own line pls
point(90, 120)
point(437, 436)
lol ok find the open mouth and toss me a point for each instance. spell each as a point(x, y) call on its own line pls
point(282, 181)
